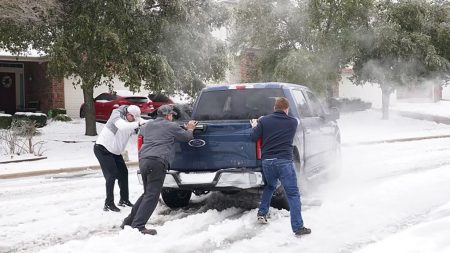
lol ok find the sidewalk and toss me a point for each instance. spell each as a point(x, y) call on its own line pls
point(31, 173)
point(69, 150)
point(438, 113)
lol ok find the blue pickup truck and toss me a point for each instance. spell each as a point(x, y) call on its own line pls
point(222, 157)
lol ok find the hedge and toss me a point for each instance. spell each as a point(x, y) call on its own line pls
point(5, 121)
point(39, 118)
point(349, 104)
point(62, 117)
point(55, 112)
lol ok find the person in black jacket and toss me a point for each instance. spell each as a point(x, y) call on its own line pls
point(277, 131)
point(156, 154)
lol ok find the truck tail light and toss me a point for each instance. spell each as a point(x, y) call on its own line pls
point(140, 140)
point(258, 148)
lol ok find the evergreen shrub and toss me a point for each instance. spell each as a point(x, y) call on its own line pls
point(55, 112)
point(62, 117)
point(39, 118)
point(5, 121)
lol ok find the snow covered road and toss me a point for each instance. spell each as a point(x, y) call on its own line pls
point(386, 195)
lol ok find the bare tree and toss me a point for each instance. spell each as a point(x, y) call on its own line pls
point(19, 139)
point(12, 143)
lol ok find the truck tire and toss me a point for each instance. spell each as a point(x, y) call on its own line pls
point(279, 199)
point(175, 198)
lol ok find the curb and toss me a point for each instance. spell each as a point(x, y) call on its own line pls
point(421, 116)
point(55, 171)
point(25, 160)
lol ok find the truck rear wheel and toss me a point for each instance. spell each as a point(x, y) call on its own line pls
point(279, 199)
point(175, 198)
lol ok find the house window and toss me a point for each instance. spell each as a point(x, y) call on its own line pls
point(11, 65)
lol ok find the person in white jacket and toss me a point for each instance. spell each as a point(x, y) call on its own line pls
point(108, 149)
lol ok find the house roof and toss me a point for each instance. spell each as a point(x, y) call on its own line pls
point(29, 55)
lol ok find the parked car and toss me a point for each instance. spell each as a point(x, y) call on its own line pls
point(159, 99)
point(106, 102)
point(222, 157)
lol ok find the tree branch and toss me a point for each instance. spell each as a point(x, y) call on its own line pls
point(25, 11)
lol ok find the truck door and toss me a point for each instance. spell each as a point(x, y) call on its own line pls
point(310, 125)
point(326, 128)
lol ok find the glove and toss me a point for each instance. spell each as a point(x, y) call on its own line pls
point(142, 121)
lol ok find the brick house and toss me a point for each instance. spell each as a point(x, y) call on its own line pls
point(24, 85)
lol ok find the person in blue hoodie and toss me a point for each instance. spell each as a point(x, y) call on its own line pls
point(277, 131)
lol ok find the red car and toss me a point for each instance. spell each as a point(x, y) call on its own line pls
point(106, 102)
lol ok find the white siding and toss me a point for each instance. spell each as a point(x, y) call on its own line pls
point(446, 92)
point(73, 97)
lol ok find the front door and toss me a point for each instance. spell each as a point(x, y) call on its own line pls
point(8, 92)
point(311, 130)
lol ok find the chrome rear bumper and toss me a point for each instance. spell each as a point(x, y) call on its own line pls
point(221, 179)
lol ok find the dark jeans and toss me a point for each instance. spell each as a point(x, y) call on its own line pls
point(283, 170)
point(113, 167)
point(153, 173)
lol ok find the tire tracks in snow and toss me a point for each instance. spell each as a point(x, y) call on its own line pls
point(388, 230)
point(53, 197)
point(420, 169)
point(26, 212)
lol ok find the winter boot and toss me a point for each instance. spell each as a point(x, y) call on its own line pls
point(261, 219)
point(303, 231)
point(148, 231)
point(125, 203)
point(111, 207)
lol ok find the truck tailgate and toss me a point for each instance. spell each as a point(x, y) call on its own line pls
point(217, 146)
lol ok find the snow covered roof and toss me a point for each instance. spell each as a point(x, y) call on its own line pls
point(29, 55)
point(31, 113)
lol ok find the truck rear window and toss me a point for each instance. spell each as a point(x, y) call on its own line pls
point(236, 104)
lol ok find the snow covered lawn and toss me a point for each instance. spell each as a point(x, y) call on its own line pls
point(65, 146)
point(440, 108)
